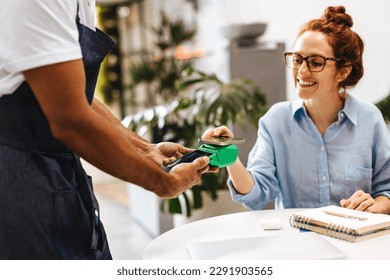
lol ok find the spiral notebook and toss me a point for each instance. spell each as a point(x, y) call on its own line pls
point(342, 223)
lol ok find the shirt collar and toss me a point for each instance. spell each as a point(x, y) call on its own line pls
point(297, 105)
point(350, 109)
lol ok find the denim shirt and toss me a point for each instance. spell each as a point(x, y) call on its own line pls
point(294, 165)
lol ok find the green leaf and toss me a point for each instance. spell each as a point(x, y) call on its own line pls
point(188, 204)
point(384, 107)
point(174, 206)
point(198, 201)
point(142, 72)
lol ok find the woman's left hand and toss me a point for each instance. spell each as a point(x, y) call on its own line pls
point(365, 202)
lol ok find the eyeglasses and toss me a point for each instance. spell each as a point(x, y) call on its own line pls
point(315, 63)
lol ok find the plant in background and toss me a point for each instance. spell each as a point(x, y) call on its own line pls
point(160, 70)
point(192, 101)
point(384, 107)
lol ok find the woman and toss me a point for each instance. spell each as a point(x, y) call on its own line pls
point(326, 147)
point(50, 54)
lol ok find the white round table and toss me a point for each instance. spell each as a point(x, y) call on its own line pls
point(172, 245)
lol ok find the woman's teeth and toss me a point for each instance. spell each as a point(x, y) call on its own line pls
point(305, 83)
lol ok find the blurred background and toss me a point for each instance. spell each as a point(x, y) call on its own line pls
point(181, 66)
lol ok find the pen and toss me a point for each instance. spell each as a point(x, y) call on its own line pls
point(345, 216)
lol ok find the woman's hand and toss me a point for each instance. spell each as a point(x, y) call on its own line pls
point(216, 132)
point(365, 202)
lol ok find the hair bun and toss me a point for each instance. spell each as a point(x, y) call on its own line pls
point(338, 15)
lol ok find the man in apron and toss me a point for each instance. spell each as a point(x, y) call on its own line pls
point(49, 60)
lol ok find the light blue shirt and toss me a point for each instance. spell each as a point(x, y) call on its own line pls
point(294, 165)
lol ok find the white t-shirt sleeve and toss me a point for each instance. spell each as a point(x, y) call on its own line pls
point(35, 33)
point(46, 34)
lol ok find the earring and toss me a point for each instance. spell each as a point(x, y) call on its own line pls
point(343, 92)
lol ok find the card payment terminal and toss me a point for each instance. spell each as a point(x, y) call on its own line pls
point(220, 156)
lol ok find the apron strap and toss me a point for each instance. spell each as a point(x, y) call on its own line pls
point(90, 202)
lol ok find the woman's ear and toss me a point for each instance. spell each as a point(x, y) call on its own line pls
point(344, 72)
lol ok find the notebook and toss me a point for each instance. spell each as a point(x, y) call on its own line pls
point(286, 246)
point(342, 223)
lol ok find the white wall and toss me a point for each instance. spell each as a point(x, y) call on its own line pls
point(284, 17)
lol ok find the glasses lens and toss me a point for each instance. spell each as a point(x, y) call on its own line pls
point(289, 60)
point(316, 63)
point(293, 61)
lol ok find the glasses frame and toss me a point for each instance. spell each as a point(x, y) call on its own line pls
point(305, 58)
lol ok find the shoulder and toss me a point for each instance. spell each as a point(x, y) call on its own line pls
point(31, 8)
point(277, 116)
point(284, 107)
point(35, 33)
point(45, 34)
point(363, 108)
point(362, 113)
point(280, 110)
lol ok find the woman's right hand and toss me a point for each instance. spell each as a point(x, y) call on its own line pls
point(241, 178)
point(223, 131)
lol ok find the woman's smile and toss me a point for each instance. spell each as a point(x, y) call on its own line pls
point(305, 83)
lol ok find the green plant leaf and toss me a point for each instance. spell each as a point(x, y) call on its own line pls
point(384, 107)
point(187, 204)
point(174, 206)
point(197, 194)
point(143, 72)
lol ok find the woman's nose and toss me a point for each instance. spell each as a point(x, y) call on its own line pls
point(303, 67)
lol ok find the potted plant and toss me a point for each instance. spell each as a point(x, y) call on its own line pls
point(190, 102)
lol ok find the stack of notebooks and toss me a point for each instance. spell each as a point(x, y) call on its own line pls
point(342, 223)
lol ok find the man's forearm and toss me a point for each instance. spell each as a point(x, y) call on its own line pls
point(135, 139)
point(90, 138)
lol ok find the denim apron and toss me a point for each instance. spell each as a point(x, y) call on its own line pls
point(47, 206)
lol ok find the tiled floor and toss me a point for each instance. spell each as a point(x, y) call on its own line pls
point(127, 239)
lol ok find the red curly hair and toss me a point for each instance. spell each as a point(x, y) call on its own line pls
point(346, 44)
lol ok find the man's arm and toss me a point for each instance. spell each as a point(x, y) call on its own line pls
point(102, 110)
point(160, 153)
point(60, 91)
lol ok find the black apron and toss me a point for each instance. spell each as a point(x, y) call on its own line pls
point(47, 206)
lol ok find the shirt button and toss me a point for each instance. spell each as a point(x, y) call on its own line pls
point(342, 115)
point(322, 148)
point(323, 178)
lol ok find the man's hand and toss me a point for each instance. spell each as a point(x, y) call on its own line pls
point(165, 152)
point(184, 176)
